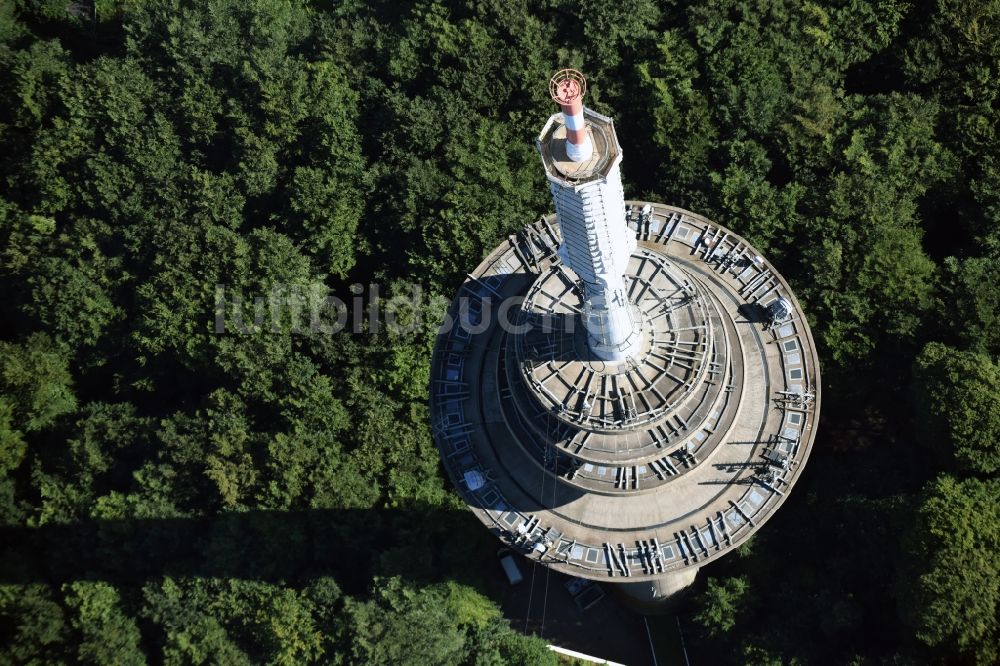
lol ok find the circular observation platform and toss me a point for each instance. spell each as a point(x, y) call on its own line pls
point(632, 470)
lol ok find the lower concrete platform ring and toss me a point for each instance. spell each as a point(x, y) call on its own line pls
point(593, 499)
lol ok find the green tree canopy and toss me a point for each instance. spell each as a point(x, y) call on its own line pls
point(953, 598)
point(108, 636)
point(35, 381)
point(957, 400)
point(720, 605)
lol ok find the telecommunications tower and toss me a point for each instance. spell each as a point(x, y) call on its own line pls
point(624, 390)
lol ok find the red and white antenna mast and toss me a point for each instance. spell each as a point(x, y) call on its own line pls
point(567, 87)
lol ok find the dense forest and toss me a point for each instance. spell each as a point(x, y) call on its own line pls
point(175, 490)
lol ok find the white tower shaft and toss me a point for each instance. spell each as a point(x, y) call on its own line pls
point(597, 246)
point(596, 240)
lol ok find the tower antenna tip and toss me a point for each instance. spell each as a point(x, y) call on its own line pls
point(567, 85)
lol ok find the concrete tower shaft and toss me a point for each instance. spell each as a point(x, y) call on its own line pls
point(582, 160)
